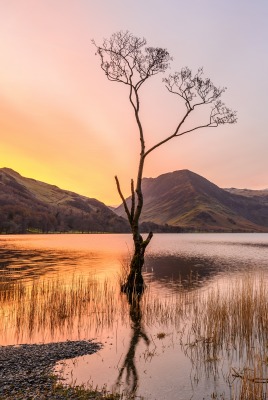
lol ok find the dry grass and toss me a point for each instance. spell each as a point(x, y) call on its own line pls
point(248, 383)
point(228, 321)
point(231, 316)
point(57, 304)
point(67, 305)
point(60, 391)
point(251, 383)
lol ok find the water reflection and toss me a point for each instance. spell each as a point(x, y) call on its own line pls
point(180, 272)
point(26, 264)
point(56, 309)
point(171, 262)
point(75, 295)
point(138, 332)
point(31, 256)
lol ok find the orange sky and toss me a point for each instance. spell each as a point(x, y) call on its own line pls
point(62, 122)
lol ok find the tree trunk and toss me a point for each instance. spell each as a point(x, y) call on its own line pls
point(135, 283)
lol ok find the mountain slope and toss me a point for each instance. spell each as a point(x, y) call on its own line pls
point(30, 205)
point(181, 200)
point(185, 199)
point(262, 195)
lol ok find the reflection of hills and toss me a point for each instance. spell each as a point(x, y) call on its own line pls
point(24, 264)
point(177, 272)
point(171, 271)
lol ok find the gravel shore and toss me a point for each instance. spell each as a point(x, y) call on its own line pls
point(26, 370)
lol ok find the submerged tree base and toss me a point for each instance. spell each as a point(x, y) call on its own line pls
point(134, 281)
point(134, 285)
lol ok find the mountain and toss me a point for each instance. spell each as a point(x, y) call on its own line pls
point(261, 194)
point(27, 205)
point(188, 201)
point(174, 202)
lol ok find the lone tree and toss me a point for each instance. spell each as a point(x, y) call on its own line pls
point(126, 59)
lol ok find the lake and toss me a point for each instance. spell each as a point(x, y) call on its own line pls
point(181, 340)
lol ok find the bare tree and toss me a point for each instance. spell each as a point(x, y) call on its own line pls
point(126, 59)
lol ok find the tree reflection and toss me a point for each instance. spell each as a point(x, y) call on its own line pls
point(138, 332)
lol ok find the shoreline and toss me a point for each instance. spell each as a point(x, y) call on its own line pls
point(26, 370)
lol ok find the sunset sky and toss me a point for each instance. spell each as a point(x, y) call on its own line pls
point(64, 123)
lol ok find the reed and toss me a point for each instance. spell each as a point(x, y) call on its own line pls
point(225, 317)
point(250, 382)
point(76, 303)
point(57, 304)
point(228, 321)
point(233, 316)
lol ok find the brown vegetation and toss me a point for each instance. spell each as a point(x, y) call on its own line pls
point(228, 321)
point(186, 200)
point(27, 205)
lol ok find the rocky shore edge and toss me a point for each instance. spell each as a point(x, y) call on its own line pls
point(26, 371)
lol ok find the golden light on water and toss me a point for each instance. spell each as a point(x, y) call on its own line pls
point(210, 324)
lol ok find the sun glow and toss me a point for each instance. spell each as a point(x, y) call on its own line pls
point(63, 122)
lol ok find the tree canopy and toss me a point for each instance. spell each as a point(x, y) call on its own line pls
point(128, 60)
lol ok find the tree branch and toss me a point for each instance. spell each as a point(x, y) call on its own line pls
point(123, 200)
point(171, 136)
point(126, 59)
point(147, 241)
point(132, 200)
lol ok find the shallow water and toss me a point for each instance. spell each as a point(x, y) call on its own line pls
point(159, 362)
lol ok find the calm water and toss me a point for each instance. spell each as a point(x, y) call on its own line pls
point(158, 365)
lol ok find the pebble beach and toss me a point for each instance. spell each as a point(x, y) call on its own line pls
point(26, 371)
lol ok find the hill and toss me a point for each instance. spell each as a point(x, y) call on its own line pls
point(173, 202)
point(261, 194)
point(28, 205)
point(189, 201)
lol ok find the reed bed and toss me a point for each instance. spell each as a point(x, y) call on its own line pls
point(226, 317)
point(231, 317)
point(229, 331)
point(80, 304)
point(251, 382)
point(173, 310)
point(226, 323)
point(57, 305)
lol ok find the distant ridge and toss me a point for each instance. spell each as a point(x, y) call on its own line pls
point(179, 201)
point(28, 205)
point(189, 201)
